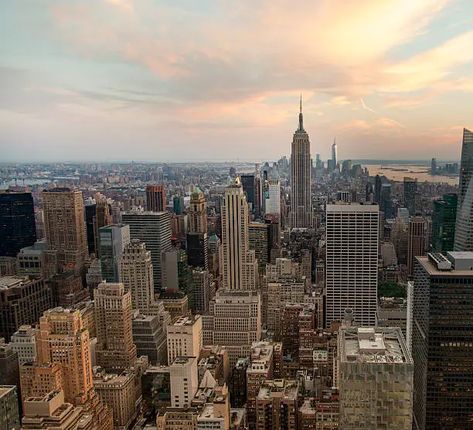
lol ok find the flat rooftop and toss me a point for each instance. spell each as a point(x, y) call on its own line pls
point(370, 345)
point(433, 270)
point(12, 281)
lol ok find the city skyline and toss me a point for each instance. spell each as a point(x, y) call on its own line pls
point(120, 79)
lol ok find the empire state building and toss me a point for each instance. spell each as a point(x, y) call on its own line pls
point(301, 206)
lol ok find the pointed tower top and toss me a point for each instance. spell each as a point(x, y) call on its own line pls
point(301, 118)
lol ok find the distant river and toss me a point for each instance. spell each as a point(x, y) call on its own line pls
point(397, 172)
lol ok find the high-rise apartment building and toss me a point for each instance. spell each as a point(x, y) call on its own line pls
point(410, 195)
point(442, 341)
point(184, 337)
point(136, 274)
point(22, 301)
point(112, 241)
point(113, 312)
point(351, 272)
point(238, 264)
point(416, 241)
point(64, 224)
point(443, 222)
point(17, 222)
point(153, 228)
point(277, 405)
point(155, 198)
point(464, 223)
point(301, 204)
point(375, 376)
point(197, 213)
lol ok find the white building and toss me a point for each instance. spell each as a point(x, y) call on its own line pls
point(273, 199)
point(233, 322)
point(238, 264)
point(351, 273)
point(184, 337)
point(184, 381)
point(23, 342)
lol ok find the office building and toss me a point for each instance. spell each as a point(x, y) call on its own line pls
point(112, 241)
point(301, 204)
point(410, 195)
point(89, 210)
point(197, 212)
point(272, 204)
point(9, 369)
point(197, 245)
point(113, 312)
point(102, 218)
point(233, 322)
point(351, 272)
point(442, 341)
point(464, 223)
point(9, 414)
point(51, 411)
point(375, 377)
point(416, 241)
point(149, 336)
point(178, 205)
point(23, 342)
point(118, 392)
point(64, 224)
point(249, 185)
point(238, 264)
point(443, 222)
point(22, 301)
point(67, 289)
point(37, 380)
point(184, 381)
point(153, 228)
point(136, 274)
point(334, 154)
point(258, 237)
point(185, 337)
point(155, 198)
point(17, 222)
point(170, 270)
point(36, 261)
point(201, 290)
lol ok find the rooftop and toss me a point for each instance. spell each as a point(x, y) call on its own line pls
point(370, 345)
point(12, 281)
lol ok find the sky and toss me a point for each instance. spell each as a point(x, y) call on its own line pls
point(196, 80)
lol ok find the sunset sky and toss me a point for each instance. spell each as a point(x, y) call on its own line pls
point(184, 80)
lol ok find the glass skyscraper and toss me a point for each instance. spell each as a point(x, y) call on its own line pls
point(443, 222)
point(464, 224)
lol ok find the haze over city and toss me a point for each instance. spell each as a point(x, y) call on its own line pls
point(179, 80)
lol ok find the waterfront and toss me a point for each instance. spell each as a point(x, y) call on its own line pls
point(397, 172)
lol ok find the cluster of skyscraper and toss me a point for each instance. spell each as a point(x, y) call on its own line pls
point(262, 311)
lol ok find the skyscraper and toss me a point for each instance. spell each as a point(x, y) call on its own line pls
point(352, 262)
point(238, 263)
point(64, 223)
point(112, 241)
point(249, 188)
point(155, 198)
point(464, 223)
point(102, 217)
point(136, 274)
point(197, 213)
point(443, 222)
point(334, 154)
point(442, 341)
point(410, 195)
point(301, 205)
point(273, 201)
point(115, 348)
point(415, 241)
point(17, 222)
point(153, 228)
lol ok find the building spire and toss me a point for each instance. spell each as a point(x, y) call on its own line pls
point(301, 119)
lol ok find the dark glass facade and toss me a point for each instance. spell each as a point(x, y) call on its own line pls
point(197, 255)
point(443, 223)
point(442, 347)
point(249, 185)
point(410, 195)
point(17, 223)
